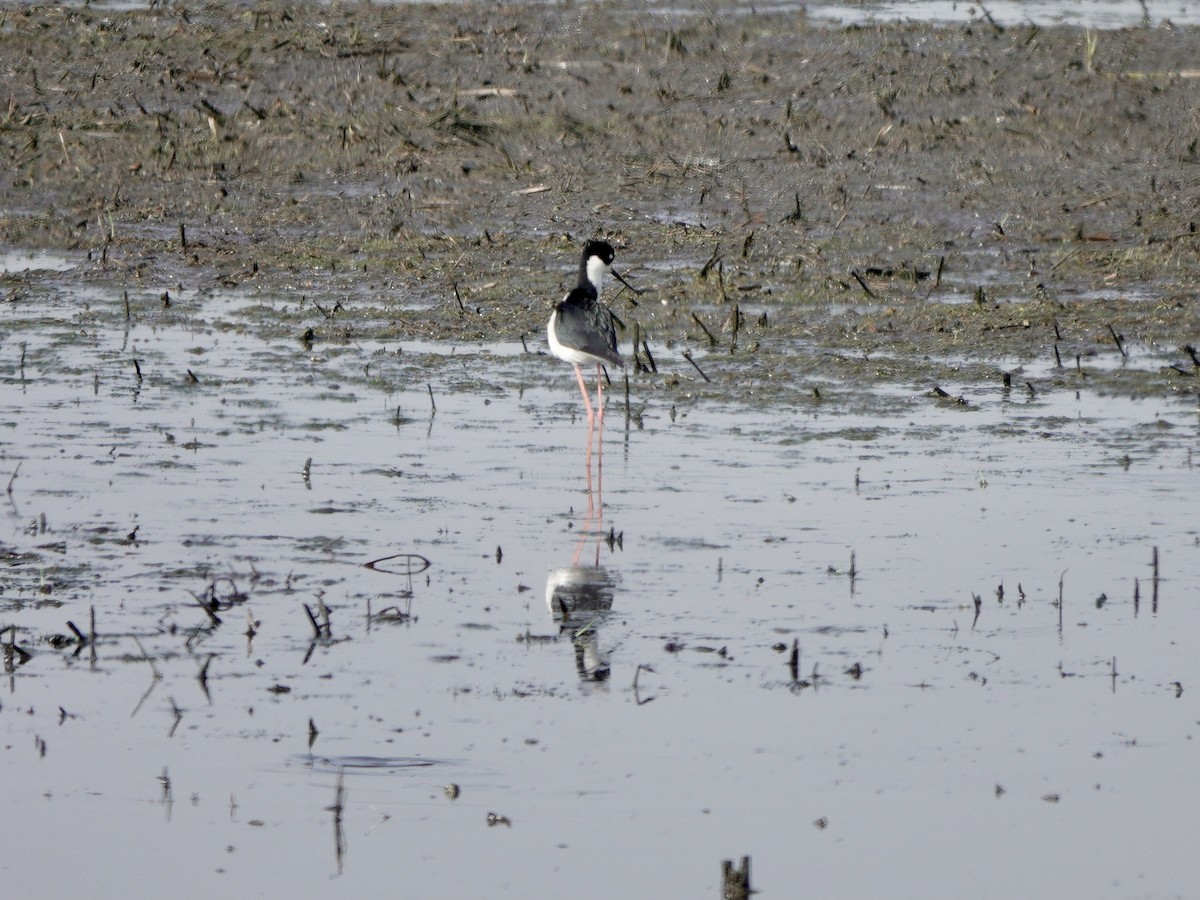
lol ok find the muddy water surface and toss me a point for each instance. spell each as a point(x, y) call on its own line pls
point(651, 735)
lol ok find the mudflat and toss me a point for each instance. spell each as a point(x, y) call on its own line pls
point(880, 201)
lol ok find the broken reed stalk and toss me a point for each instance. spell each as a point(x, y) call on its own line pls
point(312, 619)
point(1154, 583)
point(712, 341)
point(1117, 340)
point(1060, 601)
point(687, 354)
point(432, 402)
point(149, 661)
point(649, 358)
point(202, 675)
point(735, 883)
point(737, 321)
point(862, 284)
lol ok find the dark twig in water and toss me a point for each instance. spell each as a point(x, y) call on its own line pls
point(712, 341)
point(637, 697)
point(338, 808)
point(1154, 583)
point(318, 628)
point(687, 354)
point(178, 714)
point(149, 661)
point(862, 284)
point(14, 654)
point(408, 559)
point(202, 675)
point(1060, 602)
point(649, 358)
point(1117, 340)
point(987, 15)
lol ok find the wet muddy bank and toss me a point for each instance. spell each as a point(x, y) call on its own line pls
point(904, 202)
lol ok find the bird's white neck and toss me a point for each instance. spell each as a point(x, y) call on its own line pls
point(597, 269)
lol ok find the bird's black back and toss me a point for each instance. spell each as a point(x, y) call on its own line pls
point(584, 323)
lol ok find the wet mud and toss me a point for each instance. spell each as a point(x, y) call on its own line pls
point(895, 202)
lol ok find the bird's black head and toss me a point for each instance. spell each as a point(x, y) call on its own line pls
point(602, 250)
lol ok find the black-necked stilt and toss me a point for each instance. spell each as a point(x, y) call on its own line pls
point(581, 330)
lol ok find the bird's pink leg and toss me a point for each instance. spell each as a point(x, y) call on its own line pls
point(600, 429)
point(587, 401)
point(587, 404)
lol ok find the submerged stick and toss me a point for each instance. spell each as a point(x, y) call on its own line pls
point(1117, 340)
point(1060, 601)
point(146, 656)
point(712, 341)
point(649, 358)
point(1154, 583)
point(687, 354)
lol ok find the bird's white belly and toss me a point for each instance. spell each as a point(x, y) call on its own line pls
point(578, 357)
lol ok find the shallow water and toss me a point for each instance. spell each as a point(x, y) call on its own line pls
point(1099, 14)
point(1093, 14)
point(1017, 750)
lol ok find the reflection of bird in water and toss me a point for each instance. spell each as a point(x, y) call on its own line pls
point(579, 597)
point(582, 331)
